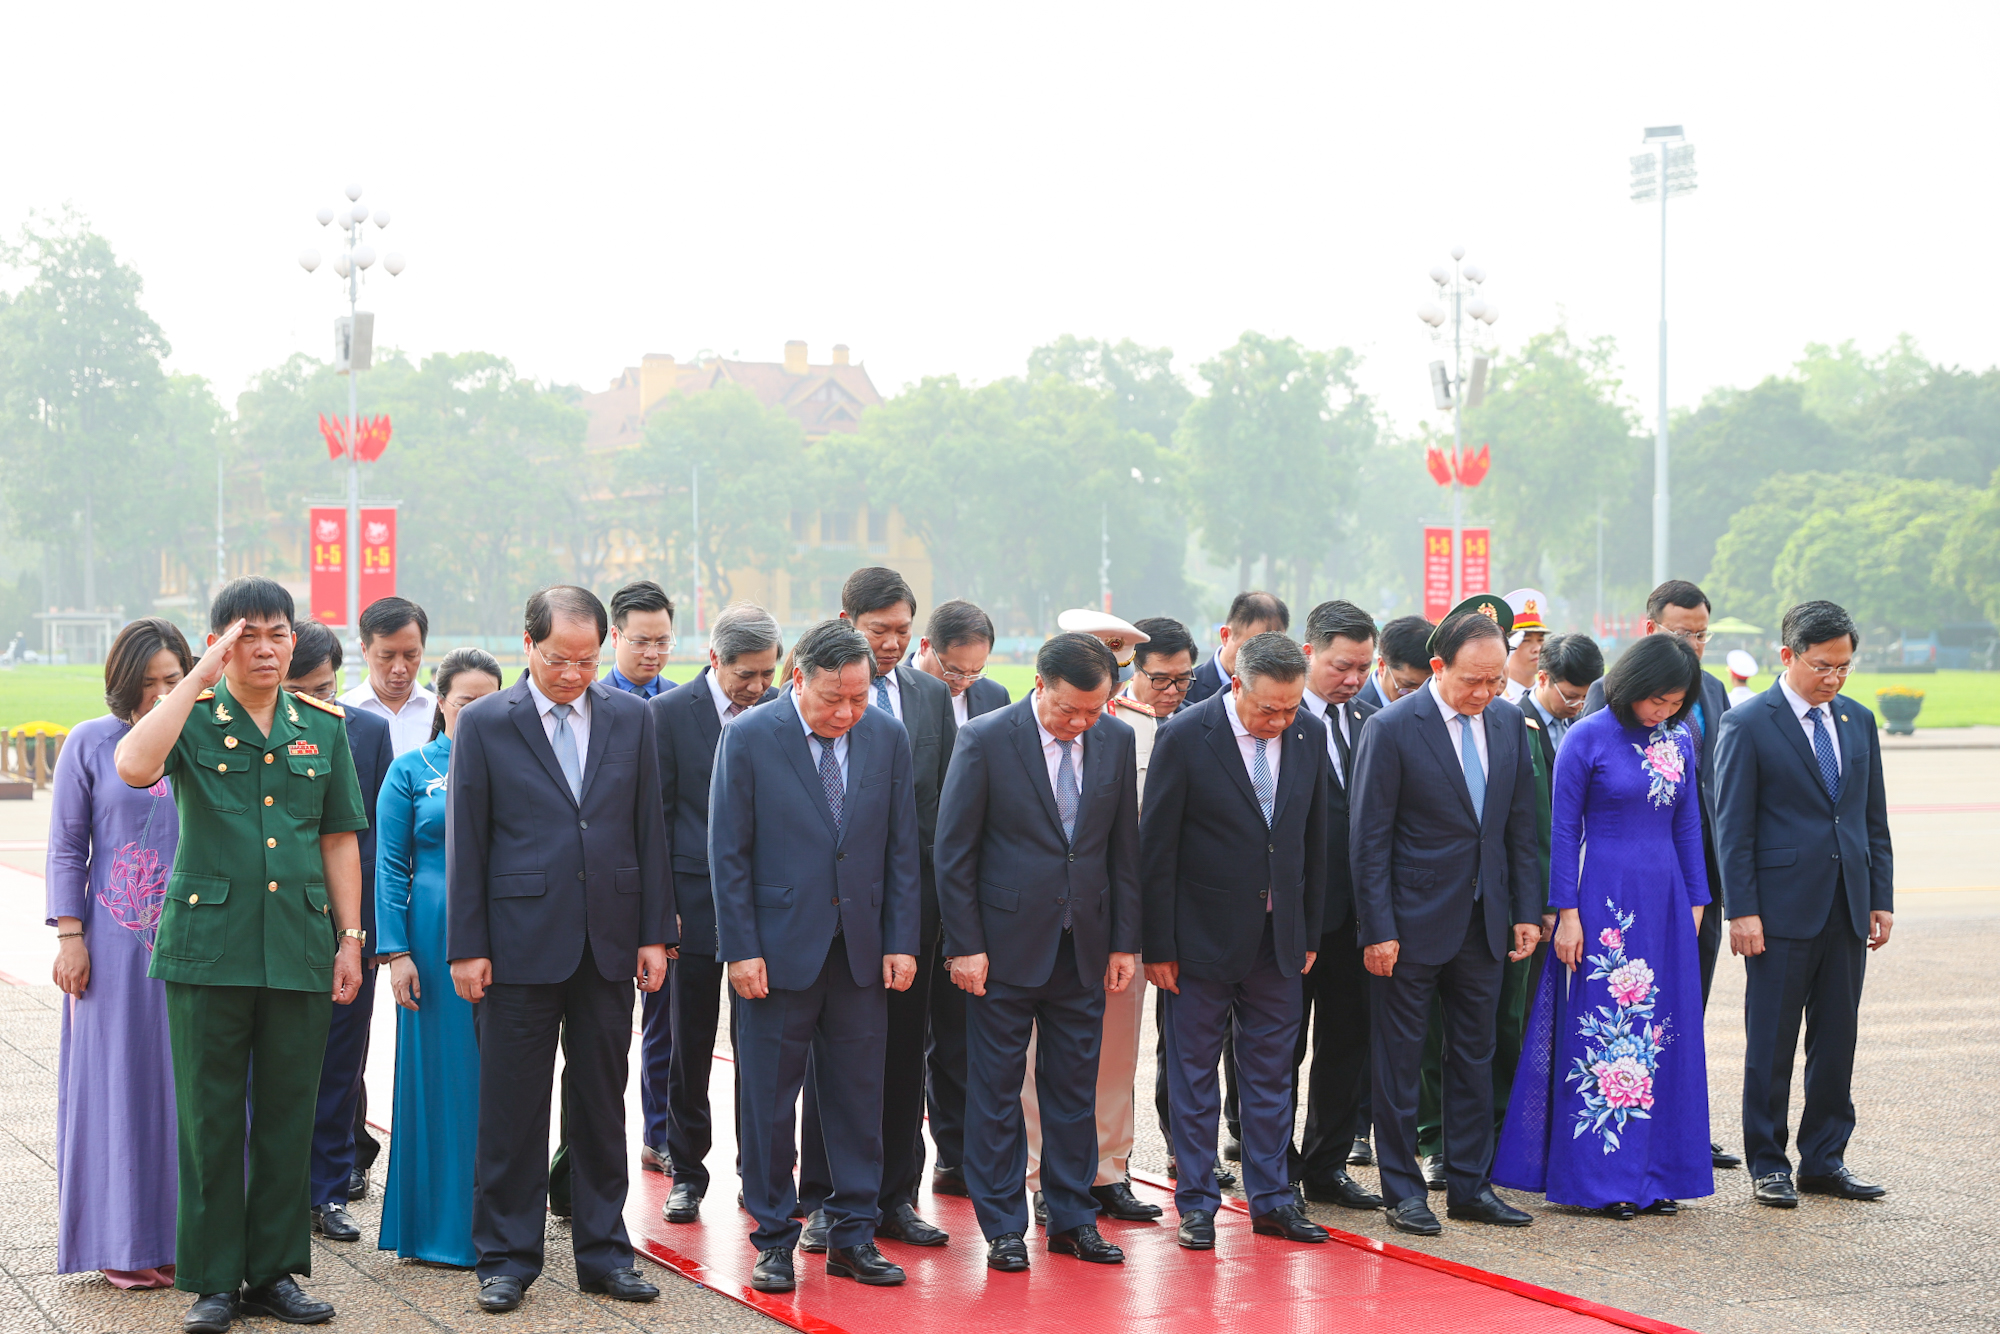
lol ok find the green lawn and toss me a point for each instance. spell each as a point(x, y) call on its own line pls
point(1951, 699)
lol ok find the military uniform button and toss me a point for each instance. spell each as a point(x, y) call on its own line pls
point(222, 768)
point(194, 898)
point(309, 773)
point(270, 842)
point(269, 758)
point(229, 742)
point(267, 801)
point(273, 886)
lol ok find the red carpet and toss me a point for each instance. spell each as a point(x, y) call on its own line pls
point(1247, 1283)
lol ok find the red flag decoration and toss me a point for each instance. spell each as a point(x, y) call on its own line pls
point(1476, 570)
point(373, 436)
point(1440, 467)
point(1437, 573)
point(1472, 470)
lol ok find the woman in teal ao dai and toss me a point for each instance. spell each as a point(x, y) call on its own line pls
point(1610, 1107)
point(427, 1208)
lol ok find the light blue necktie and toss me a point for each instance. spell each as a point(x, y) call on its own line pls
point(1260, 779)
point(1829, 766)
point(882, 694)
point(564, 744)
point(1066, 798)
point(1475, 777)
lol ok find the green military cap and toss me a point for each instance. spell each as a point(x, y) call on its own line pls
point(1490, 605)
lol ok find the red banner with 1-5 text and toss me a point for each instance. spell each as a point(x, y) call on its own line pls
point(1476, 573)
point(328, 547)
point(1437, 573)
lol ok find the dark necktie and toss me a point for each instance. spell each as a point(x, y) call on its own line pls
point(731, 711)
point(1829, 767)
point(829, 778)
point(1340, 744)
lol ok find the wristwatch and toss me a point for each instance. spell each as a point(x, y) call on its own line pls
point(356, 934)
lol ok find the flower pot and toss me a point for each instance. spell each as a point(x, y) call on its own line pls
point(1900, 711)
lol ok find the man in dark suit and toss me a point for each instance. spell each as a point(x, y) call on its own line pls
point(1808, 885)
point(1442, 816)
point(1339, 646)
point(1405, 662)
point(878, 602)
point(743, 649)
point(1230, 934)
point(1677, 607)
point(315, 671)
point(557, 876)
point(958, 639)
point(1250, 614)
point(1024, 814)
point(812, 852)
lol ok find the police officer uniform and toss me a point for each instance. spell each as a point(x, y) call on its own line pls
point(245, 946)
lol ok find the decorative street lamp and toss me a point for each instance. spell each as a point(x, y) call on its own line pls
point(1661, 176)
point(1460, 297)
point(354, 339)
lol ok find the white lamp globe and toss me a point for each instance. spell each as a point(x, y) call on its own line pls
point(1457, 251)
point(325, 215)
point(308, 259)
point(1492, 314)
point(1475, 307)
point(360, 213)
point(354, 191)
point(393, 262)
point(381, 217)
point(340, 264)
point(1431, 313)
point(364, 255)
point(1474, 273)
point(1440, 274)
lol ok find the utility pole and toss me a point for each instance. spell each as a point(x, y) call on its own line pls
point(1664, 174)
point(694, 547)
point(221, 556)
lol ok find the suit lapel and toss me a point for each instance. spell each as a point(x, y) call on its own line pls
point(600, 734)
point(1291, 767)
point(1222, 740)
point(706, 720)
point(528, 719)
point(1794, 732)
point(1028, 745)
point(805, 762)
point(1500, 759)
point(1431, 723)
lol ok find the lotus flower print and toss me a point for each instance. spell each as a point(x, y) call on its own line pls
point(1614, 1076)
point(1624, 1082)
point(1611, 938)
point(1664, 763)
point(1632, 983)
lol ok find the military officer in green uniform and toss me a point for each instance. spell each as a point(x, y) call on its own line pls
point(259, 937)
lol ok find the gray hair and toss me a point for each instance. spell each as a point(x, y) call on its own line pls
point(744, 627)
point(1270, 655)
point(830, 646)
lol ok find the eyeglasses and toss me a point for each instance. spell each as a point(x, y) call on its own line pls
point(1696, 637)
point(1564, 696)
point(661, 645)
point(1839, 673)
point(567, 664)
point(1496, 684)
point(952, 673)
point(1166, 684)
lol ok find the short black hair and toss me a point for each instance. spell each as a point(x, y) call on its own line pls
point(1406, 643)
point(639, 595)
point(1674, 593)
point(1169, 637)
point(1467, 628)
point(1258, 608)
point(316, 644)
point(874, 587)
point(132, 653)
point(567, 601)
point(1573, 659)
point(1081, 660)
point(1653, 665)
point(456, 662)
point(252, 595)
point(1338, 620)
point(1812, 623)
point(956, 622)
point(385, 616)
point(831, 646)
point(1270, 656)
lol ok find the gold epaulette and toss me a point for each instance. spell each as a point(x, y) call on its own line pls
point(1127, 702)
point(320, 704)
point(205, 696)
point(1532, 723)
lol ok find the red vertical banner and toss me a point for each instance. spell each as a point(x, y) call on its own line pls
point(326, 543)
point(1437, 573)
point(378, 554)
point(1477, 572)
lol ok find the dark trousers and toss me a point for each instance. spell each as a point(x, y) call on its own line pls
point(696, 981)
point(1163, 1106)
point(655, 1059)
point(1336, 1007)
point(902, 1103)
point(1263, 1009)
point(1708, 944)
point(1070, 1020)
point(1510, 1029)
point(845, 1029)
point(229, 1231)
point(519, 1026)
point(1469, 986)
point(945, 1064)
point(340, 1093)
point(1819, 981)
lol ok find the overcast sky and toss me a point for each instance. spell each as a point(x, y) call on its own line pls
point(944, 186)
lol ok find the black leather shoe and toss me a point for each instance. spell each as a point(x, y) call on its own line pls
point(1624, 1211)
point(1224, 1178)
point(1007, 1253)
point(655, 1160)
point(1290, 1222)
point(357, 1185)
point(1434, 1175)
point(212, 1313)
point(559, 1208)
point(501, 1292)
point(683, 1204)
point(622, 1285)
point(1232, 1149)
point(331, 1221)
point(773, 1271)
point(1776, 1191)
point(863, 1264)
point(1085, 1242)
point(812, 1238)
point(1343, 1190)
point(1117, 1201)
point(1197, 1231)
point(1041, 1206)
point(285, 1300)
point(903, 1223)
point(1362, 1154)
point(1662, 1208)
point(1722, 1157)
point(1486, 1207)
point(1842, 1184)
point(1414, 1216)
point(948, 1181)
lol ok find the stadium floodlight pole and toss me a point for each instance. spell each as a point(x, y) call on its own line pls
point(354, 256)
point(1460, 285)
point(1662, 175)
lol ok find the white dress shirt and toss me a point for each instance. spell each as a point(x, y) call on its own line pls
point(1802, 711)
point(409, 726)
point(1332, 717)
point(579, 720)
point(1513, 692)
point(813, 748)
point(1052, 753)
point(961, 704)
point(1247, 745)
point(1455, 724)
point(895, 693)
point(723, 704)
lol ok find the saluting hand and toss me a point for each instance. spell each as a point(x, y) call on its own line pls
point(209, 670)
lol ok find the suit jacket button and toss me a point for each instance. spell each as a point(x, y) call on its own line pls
point(579, 875)
point(840, 857)
point(1072, 856)
point(1270, 847)
point(1263, 893)
point(583, 824)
